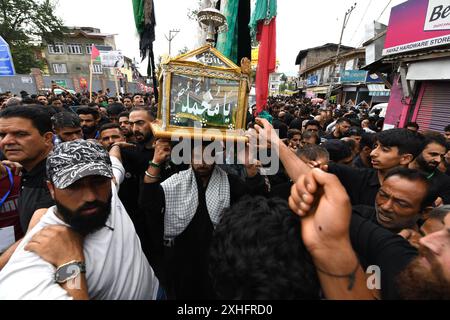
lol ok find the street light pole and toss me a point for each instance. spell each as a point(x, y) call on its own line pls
point(170, 38)
point(344, 25)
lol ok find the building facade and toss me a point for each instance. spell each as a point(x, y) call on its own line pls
point(275, 83)
point(421, 63)
point(68, 63)
point(72, 56)
point(310, 57)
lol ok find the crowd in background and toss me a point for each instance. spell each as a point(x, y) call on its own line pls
point(85, 184)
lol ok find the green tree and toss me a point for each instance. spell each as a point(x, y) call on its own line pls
point(282, 87)
point(183, 51)
point(292, 86)
point(192, 13)
point(283, 78)
point(24, 56)
point(23, 22)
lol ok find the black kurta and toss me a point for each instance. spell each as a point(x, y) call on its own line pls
point(182, 267)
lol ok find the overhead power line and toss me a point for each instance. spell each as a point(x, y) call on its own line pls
point(360, 22)
point(384, 9)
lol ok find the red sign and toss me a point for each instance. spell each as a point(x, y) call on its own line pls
point(418, 24)
point(83, 83)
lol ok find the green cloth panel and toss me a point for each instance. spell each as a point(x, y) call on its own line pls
point(260, 13)
point(138, 10)
point(227, 43)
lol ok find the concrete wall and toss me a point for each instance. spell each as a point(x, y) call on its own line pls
point(15, 84)
point(33, 83)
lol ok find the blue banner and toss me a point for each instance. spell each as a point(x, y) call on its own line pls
point(354, 76)
point(6, 62)
point(312, 81)
point(373, 78)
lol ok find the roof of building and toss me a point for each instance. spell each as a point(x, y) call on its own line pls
point(341, 56)
point(303, 53)
point(90, 35)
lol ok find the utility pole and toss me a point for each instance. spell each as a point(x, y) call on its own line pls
point(344, 25)
point(170, 38)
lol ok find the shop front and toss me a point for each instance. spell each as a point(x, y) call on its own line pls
point(421, 90)
point(316, 92)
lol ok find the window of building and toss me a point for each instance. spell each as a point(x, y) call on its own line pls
point(89, 48)
point(97, 69)
point(350, 65)
point(57, 48)
point(59, 68)
point(74, 49)
point(326, 74)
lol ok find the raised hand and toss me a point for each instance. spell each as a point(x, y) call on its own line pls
point(162, 151)
point(322, 202)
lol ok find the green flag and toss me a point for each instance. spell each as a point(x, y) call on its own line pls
point(264, 9)
point(139, 19)
point(227, 43)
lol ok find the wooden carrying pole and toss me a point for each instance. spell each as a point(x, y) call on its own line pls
point(90, 80)
point(116, 81)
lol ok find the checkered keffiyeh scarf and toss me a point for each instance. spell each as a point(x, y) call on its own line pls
point(181, 194)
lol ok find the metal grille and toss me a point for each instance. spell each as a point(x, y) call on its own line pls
point(434, 109)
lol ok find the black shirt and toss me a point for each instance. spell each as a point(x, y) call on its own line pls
point(366, 212)
point(281, 127)
point(362, 185)
point(376, 246)
point(34, 193)
point(135, 161)
point(297, 123)
point(282, 190)
point(331, 136)
point(358, 163)
point(182, 268)
point(441, 184)
point(129, 188)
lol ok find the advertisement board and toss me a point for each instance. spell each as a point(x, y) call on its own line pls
point(418, 24)
point(354, 76)
point(112, 59)
point(6, 62)
point(312, 81)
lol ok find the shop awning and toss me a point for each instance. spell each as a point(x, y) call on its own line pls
point(319, 90)
point(437, 69)
point(291, 92)
point(378, 90)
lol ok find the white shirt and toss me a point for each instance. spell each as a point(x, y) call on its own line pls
point(331, 127)
point(367, 130)
point(116, 267)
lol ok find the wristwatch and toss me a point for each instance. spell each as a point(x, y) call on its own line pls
point(69, 271)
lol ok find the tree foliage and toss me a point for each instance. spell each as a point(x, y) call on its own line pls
point(23, 22)
point(24, 56)
point(29, 20)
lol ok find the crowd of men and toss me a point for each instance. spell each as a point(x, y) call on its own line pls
point(93, 207)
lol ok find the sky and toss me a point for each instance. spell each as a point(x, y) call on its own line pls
point(301, 24)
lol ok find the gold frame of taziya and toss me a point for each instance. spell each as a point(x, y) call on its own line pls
point(184, 66)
